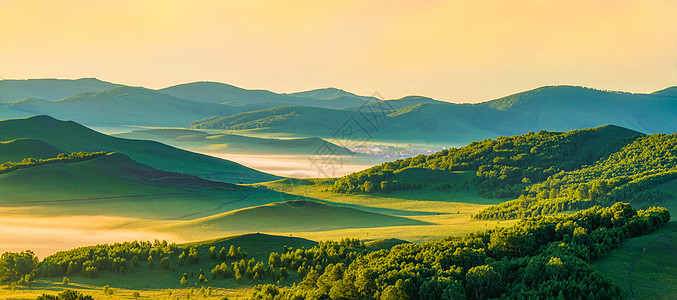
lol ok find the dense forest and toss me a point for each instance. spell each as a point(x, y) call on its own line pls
point(539, 258)
point(9, 166)
point(626, 175)
point(545, 172)
point(506, 165)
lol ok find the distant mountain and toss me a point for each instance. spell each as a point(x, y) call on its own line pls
point(329, 93)
point(214, 92)
point(564, 108)
point(122, 106)
point(49, 89)
point(73, 137)
point(557, 108)
point(671, 92)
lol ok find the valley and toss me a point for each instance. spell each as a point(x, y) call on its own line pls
point(326, 178)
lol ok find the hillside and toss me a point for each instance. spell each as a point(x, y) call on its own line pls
point(108, 176)
point(289, 216)
point(627, 175)
point(49, 89)
point(232, 143)
point(504, 166)
point(73, 137)
point(123, 106)
point(18, 149)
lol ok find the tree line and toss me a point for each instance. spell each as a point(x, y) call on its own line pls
point(9, 166)
point(539, 258)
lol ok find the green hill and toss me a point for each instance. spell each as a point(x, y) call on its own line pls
point(113, 175)
point(50, 89)
point(629, 174)
point(289, 216)
point(18, 149)
point(505, 166)
point(232, 143)
point(73, 137)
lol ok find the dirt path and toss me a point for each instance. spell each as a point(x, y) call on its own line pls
point(632, 264)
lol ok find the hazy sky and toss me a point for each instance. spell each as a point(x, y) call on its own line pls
point(459, 51)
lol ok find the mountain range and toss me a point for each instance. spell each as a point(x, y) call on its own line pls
point(326, 112)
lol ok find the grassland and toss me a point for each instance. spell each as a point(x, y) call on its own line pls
point(644, 266)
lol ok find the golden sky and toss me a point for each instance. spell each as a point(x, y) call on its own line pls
point(459, 51)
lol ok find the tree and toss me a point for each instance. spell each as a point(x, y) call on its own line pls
point(482, 280)
point(164, 263)
point(151, 262)
point(368, 187)
point(223, 254)
point(15, 266)
point(184, 280)
point(65, 281)
point(212, 252)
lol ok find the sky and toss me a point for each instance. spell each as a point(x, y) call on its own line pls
point(457, 51)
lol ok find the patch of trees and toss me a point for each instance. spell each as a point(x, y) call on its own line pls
point(627, 175)
point(61, 158)
point(118, 257)
point(18, 267)
point(505, 166)
point(545, 257)
point(303, 261)
point(66, 295)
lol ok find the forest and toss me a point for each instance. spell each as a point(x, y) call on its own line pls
point(539, 257)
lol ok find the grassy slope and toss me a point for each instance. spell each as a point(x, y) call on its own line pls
point(643, 267)
point(232, 143)
point(100, 177)
point(73, 137)
point(17, 150)
point(290, 216)
point(449, 212)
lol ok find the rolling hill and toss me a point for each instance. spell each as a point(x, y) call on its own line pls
point(289, 216)
point(73, 137)
point(49, 89)
point(232, 143)
point(108, 176)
